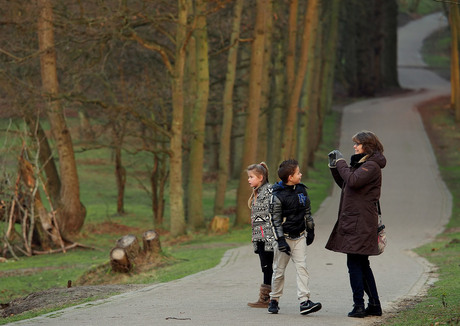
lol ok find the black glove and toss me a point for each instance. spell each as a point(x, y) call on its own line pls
point(334, 156)
point(283, 246)
point(310, 236)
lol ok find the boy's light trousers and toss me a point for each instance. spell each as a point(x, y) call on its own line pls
point(280, 262)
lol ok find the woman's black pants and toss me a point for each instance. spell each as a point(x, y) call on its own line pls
point(362, 279)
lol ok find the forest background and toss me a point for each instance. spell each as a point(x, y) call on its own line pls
point(178, 99)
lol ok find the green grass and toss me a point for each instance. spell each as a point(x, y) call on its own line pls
point(436, 52)
point(424, 7)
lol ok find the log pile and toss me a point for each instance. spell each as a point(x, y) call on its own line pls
point(127, 251)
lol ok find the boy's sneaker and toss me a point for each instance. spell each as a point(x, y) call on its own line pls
point(307, 307)
point(273, 307)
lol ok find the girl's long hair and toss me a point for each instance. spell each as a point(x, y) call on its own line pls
point(260, 169)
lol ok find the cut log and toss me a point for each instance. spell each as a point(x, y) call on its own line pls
point(130, 244)
point(220, 224)
point(119, 260)
point(151, 242)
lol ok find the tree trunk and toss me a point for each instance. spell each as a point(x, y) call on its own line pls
point(119, 260)
point(309, 103)
point(195, 184)
point(71, 212)
point(158, 178)
point(53, 182)
point(252, 120)
point(289, 144)
point(118, 130)
point(263, 139)
point(227, 119)
point(292, 44)
point(277, 113)
point(131, 246)
point(455, 68)
point(389, 54)
point(331, 38)
point(151, 242)
point(219, 224)
point(176, 191)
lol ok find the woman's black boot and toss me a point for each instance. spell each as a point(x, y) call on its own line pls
point(357, 312)
point(373, 310)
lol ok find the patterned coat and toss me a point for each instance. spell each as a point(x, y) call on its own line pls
point(261, 228)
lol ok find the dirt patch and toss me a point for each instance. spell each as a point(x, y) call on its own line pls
point(61, 297)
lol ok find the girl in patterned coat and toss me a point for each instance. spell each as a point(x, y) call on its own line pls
point(262, 234)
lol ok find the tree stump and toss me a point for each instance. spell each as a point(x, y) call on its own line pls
point(131, 246)
point(119, 260)
point(151, 242)
point(220, 224)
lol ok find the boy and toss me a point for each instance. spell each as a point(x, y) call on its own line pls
point(294, 230)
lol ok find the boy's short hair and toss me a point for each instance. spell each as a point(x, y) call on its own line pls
point(286, 169)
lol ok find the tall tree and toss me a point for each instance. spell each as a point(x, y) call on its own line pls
point(71, 212)
point(176, 190)
point(308, 113)
point(389, 63)
point(227, 119)
point(252, 119)
point(196, 157)
point(289, 144)
point(264, 141)
point(455, 67)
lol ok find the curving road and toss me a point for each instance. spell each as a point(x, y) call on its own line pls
point(415, 205)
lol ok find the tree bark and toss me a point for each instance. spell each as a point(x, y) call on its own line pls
point(176, 192)
point(289, 144)
point(309, 100)
point(53, 182)
point(291, 49)
point(195, 184)
point(119, 261)
point(131, 246)
point(151, 242)
point(227, 119)
point(263, 139)
point(71, 212)
point(330, 48)
point(252, 120)
point(455, 67)
point(390, 42)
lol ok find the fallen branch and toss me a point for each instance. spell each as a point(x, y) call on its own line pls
point(63, 249)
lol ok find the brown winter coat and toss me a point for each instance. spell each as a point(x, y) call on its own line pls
point(355, 231)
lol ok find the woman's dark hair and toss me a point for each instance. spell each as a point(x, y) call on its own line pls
point(260, 169)
point(370, 142)
point(286, 169)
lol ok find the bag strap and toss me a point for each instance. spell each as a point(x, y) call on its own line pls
point(378, 210)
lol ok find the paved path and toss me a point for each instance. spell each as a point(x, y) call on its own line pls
point(415, 204)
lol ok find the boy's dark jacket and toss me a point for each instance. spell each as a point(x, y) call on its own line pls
point(290, 210)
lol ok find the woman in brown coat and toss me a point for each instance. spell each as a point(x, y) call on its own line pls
point(355, 232)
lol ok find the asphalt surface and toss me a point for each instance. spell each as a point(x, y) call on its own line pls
point(415, 205)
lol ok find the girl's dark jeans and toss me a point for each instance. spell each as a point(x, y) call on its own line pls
point(362, 279)
point(266, 262)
